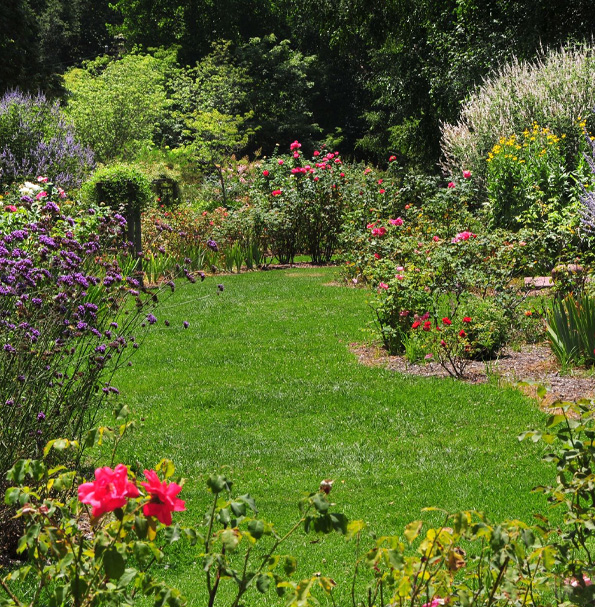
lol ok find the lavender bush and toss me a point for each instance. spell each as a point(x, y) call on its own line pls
point(35, 139)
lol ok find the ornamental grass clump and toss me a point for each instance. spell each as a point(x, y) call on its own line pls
point(554, 91)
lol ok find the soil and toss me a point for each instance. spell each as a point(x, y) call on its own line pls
point(534, 364)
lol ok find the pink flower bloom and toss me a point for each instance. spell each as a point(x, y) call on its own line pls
point(466, 235)
point(42, 179)
point(296, 154)
point(415, 324)
point(163, 498)
point(396, 222)
point(342, 175)
point(296, 145)
point(370, 226)
point(466, 174)
point(443, 343)
point(451, 184)
point(399, 277)
point(462, 333)
point(265, 173)
point(446, 321)
point(400, 268)
point(383, 285)
point(429, 356)
point(280, 161)
point(376, 256)
point(380, 182)
point(426, 316)
point(337, 161)
point(427, 325)
point(381, 191)
point(316, 153)
point(367, 170)
point(379, 231)
point(276, 192)
point(435, 239)
point(467, 319)
point(41, 195)
point(110, 490)
point(392, 158)
point(11, 208)
point(316, 178)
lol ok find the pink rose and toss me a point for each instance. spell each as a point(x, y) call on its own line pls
point(466, 174)
point(451, 184)
point(396, 222)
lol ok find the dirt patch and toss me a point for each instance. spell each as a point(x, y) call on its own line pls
point(532, 363)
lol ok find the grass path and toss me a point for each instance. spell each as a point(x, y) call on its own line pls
point(263, 382)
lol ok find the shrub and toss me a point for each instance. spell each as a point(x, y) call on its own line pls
point(36, 139)
point(554, 91)
point(301, 203)
point(121, 187)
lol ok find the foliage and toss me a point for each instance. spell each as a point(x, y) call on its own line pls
point(528, 184)
point(465, 559)
point(301, 203)
point(115, 104)
point(36, 139)
point(281, 95)
point(71, 315)
point(109, 563)
point(121, 187)
point(553, 91)
point(571, 329)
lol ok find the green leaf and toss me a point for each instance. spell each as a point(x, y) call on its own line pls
point(142, 552)
point(256, 528)
point(320, 502)
point(224, 516)
point(412, 531)
point(231, 539)
point(339, 522)
point(289, 565)
point(353, 528)
point(262, 583)
point(11, 497)
point(127, 577)
point(141, 526)
point(238, 508)
point(172, 534)
point(218, 483)
point(113, 564)
point(249, 501)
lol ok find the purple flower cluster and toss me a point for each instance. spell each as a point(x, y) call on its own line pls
point(35, 139)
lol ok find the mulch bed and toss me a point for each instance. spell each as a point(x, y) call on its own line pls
point(532, 363)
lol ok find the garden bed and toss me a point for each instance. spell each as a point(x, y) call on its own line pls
point(532, 363)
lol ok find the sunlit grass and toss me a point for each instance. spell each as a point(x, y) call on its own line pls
point(263, 384)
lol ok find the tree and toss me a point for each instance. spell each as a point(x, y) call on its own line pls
point(116, 104)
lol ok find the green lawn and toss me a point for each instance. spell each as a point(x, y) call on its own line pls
point(263, 383)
